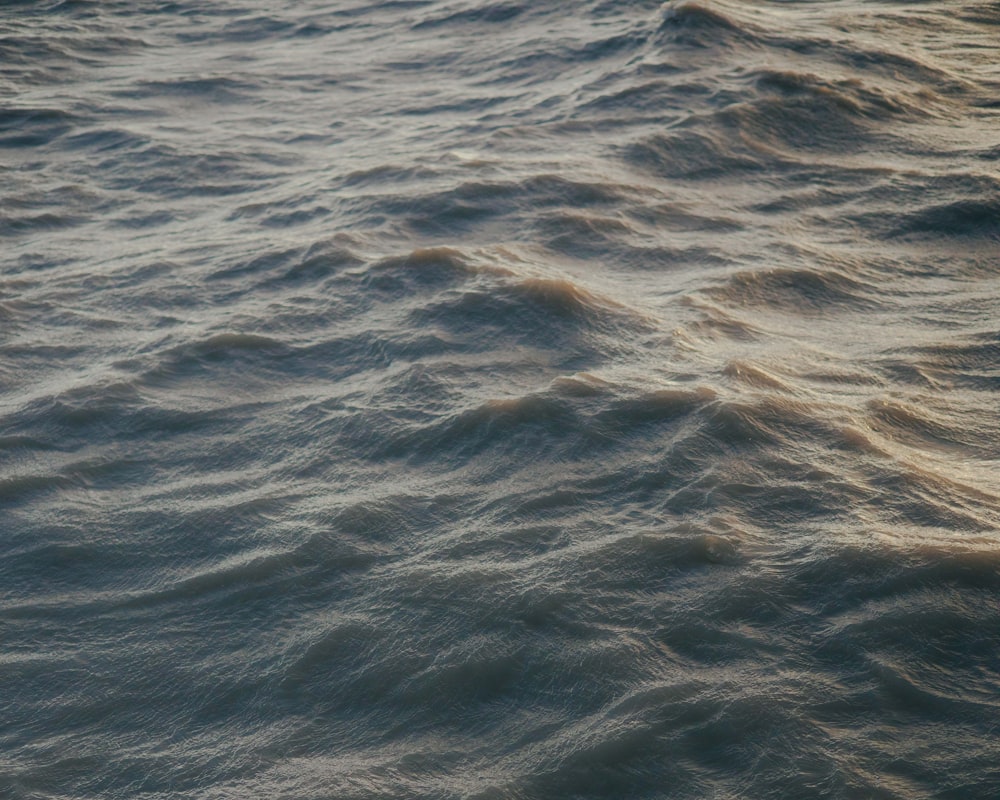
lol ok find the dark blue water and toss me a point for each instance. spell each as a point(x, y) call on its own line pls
point(464, 399)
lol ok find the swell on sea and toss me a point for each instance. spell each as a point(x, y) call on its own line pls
point(513, 401)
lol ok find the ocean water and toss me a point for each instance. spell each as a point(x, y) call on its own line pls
point(503, 400)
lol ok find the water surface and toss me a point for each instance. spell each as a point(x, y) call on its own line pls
point(467, 399)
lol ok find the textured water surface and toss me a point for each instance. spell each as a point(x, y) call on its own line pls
point(466, 399)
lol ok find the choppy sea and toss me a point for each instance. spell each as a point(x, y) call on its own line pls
point(549, 400)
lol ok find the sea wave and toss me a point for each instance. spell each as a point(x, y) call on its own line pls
point(459, 398)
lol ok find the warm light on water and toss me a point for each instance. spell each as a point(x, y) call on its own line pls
point(467, 399)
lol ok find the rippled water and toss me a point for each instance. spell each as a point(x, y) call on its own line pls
point(453, 399)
